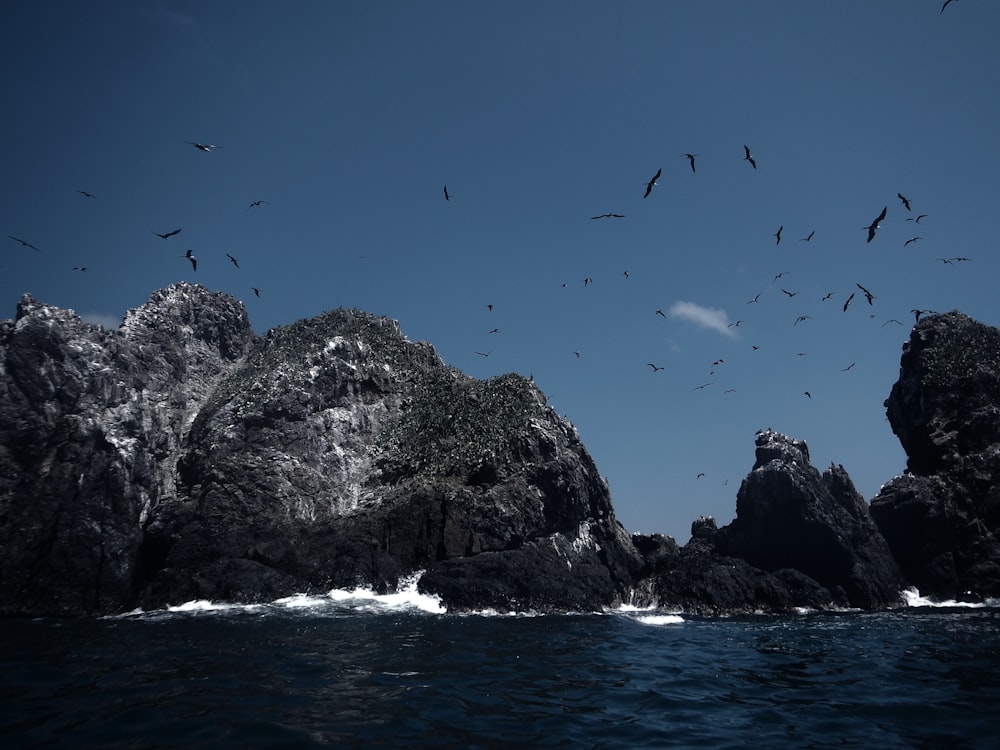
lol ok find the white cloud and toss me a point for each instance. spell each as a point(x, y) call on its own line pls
point(706, 317)
point(110, 322)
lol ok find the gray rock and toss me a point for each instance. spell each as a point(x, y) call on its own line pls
point(942, 519)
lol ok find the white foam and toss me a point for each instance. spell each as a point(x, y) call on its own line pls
point(659, 619)
point(913, 598)
point(205, 605)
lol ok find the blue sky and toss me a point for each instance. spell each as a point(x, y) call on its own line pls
point(349, 119)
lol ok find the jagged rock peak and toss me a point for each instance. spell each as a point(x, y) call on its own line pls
point(29, 307)
point(773, 446)
point(946, 404)
point(192, 311)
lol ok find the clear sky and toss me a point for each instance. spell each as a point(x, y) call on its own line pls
point(349, 119)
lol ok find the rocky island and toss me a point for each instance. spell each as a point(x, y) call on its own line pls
point(183, 457)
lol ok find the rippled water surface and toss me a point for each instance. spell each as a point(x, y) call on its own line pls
point(348, 673)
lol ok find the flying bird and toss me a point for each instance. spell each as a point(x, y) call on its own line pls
point(168, 235)
point(808, 238)
point(660, 313)
point(485, 354)
point(234, 261)
point(748, 157)
point(703, 385)
point(756, 297)
point(80, 268)
point(826, 296)
point(905, 200)
point(912, 239)
point(254, 204)
point(778, 234)
point(494, 330)
point(778, 276)
point(655, 368)
point(736, 324)
point(917, 220)
point(874, 226)
point(845, 369)
point(23, 243)
point(588, 281)
point(204, 146)
point(801, 318)
point(849, 299)
point(892, 320)
point(190, 256)
point(446, 196)
point(85, 194)
point(256, 291)
point(868, 295)
point(790, 294)
point(807, 393)
point(946, 4)
point(652, 183)
point(690, 158)
point(609, 216)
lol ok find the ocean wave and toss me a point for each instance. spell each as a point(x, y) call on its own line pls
point(914, 598)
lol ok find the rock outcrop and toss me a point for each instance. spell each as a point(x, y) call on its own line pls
point(182, 457)
point(799, 539)
point(942, 518)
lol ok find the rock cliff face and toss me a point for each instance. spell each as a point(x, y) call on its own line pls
point(942, 518)
point(182, 457)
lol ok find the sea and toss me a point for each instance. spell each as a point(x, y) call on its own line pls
point(352, 669)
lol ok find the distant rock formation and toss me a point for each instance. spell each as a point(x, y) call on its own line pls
point(942, 518)
point(183, 457)
point(799, 539)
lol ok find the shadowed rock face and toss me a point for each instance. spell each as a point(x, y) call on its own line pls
point(942, 518)
point(183, 457)
point(799, 539)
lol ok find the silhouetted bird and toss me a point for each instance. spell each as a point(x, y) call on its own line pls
point(190, 256)
point(868, 295)
point(485, 354)
point(826, 296)
point(748, 157)
point(845, 369)
point(234, 261)
point(800, 319)
point(168, 235)
point(23, 243)
point(652, 183)
point(849, 299)
point(874, 226)
point(912, 239)
point(446, 196)
point(778, 234)
point(808, 238)
point(690, 158)
point(254, 204)
point(946, 4)
point(917, 220)
point(609, 216)
point(660, 313)
point(204, 146)
point(85, 194)
point(790, 294)
point(807, 393)
point(80, 268)
point(755, 298)
point(256, 291)
point(655, 368)
point(904, 199)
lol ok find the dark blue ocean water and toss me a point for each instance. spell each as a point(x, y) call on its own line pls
point(363, 673)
